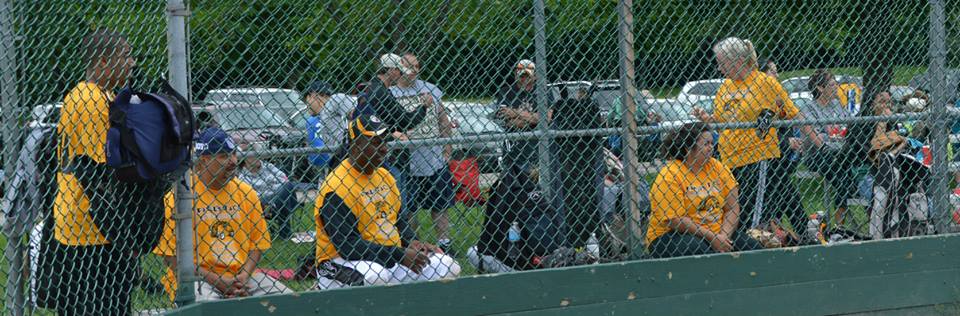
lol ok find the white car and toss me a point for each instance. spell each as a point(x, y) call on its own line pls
point(695, 91)
point(285, 102)
point(796, 87)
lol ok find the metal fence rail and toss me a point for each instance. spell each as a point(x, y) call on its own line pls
point(346, 143)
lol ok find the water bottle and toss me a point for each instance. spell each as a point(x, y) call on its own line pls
point(513, 241)
point(593, 246)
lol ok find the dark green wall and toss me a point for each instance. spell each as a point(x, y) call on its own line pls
point(896, 277)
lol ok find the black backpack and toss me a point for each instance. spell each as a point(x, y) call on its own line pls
point(516, 198)
point(51, 254)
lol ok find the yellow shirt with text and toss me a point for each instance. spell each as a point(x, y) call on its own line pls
point(228, 224)
point(374, 199)
point(83, 129)
point(742, 101)
point(678, 192)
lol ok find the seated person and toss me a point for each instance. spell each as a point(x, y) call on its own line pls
point(230, 232)
point(361, 237)
point(693, 201)
point(274, 189)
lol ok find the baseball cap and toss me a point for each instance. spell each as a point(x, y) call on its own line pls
point(321, 87)
point(366, 125)
point(525, 66)
point(394, 61)
point(212, 141)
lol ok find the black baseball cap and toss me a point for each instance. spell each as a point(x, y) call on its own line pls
point(319, 87)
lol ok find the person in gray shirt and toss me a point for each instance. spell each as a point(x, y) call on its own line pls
point(428, 177)
point(329, 112)
point(275, 190)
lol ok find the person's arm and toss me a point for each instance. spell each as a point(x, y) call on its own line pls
point(341, 225)
point(731, 213)
point(407, 233)
point(253, 259)
point(446, 129)
point(685, 225)
point(810, 132)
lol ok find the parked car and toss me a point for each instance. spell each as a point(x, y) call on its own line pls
point(473, 119)
point(283, 101)
point(259, 126)
point(664, 112)
point(694, 91)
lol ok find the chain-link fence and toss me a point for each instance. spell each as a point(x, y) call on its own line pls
point(346, 143)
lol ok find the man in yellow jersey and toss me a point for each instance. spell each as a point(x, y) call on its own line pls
point(230, 232)
point(96, 277)
point(361, 239)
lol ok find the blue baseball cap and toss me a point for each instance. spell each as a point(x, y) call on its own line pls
point(212, 141)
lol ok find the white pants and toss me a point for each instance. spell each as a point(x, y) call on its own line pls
point(441, 266)
point(258, 283)
point(490, 264)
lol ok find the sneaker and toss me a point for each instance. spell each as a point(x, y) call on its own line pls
point(446, 246)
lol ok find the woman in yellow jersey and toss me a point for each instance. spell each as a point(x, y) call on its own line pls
point(751, 96)
point(693, 201)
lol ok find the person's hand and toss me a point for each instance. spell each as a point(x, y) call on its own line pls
point(400, 136)
point(425, 247)
point(414, 259)
point(700, 114)
point(224, 285)
point(653, 118)
point(240, 287)
point(507, 113)
point(721, 243)
point(426, 99)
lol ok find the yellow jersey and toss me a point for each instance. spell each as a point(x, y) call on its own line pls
point(678, 192)
point(83, 129)
point(742, 101)
point(374, 199)
point(228, 224)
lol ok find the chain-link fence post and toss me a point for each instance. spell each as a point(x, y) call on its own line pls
point(629, 128)
point(177, 40)
point(8, 116)
point(938, 118)
point(540, 57)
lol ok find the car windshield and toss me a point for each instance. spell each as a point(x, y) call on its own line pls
point(705, 88)
point(237, 118)
point(475, 120)
point(283, 99)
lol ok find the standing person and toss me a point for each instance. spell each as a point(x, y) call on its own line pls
point(518, 113)
point(329, 113)
point(693, 201)
point(230, 234)
point(378, 100)
point(429, 181)
point(97, 277)
point(748, 95)
point(825, 157)
point(362, 238)
point(787, 203)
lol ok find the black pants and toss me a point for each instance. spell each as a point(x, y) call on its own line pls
point(95, 280)
point(835, 169)
point(785, 201)
point(755, 188)
point(674, 244)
